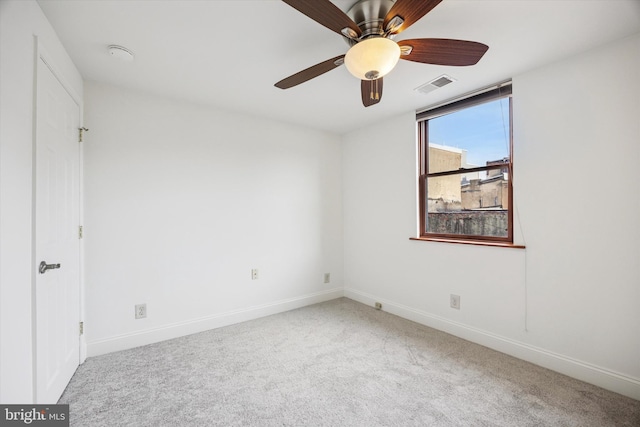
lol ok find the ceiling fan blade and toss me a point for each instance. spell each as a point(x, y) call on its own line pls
point(310, 73)
point(326, 13)
point(371, 91)
point(410, 11)
point(443, 51)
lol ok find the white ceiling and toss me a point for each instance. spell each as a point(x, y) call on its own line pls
point(229, 53)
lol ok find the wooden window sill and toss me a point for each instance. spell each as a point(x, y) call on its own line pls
point(469, 242)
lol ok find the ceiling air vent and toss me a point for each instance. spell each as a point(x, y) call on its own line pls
point(434, 84)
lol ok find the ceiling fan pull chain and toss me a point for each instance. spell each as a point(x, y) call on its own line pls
point(374, 93)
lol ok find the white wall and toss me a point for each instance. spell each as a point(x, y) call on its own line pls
point(20, 21)
point(569, 301)
point(182, 201)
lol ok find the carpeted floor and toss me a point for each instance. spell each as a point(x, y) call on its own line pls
point(338, 363)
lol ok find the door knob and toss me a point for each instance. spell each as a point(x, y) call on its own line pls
point(44, 267)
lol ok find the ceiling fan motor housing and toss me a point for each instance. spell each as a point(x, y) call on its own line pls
point(369, 16)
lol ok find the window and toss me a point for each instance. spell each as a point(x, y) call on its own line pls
point(465, 169)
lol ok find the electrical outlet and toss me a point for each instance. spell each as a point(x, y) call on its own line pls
point(378, 306)
point(454, 301)
point(254, 274)
point(327, 277)
point(141, 311)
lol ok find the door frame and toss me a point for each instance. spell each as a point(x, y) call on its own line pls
point(42, 53)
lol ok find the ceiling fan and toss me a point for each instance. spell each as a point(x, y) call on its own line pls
point(370, 27)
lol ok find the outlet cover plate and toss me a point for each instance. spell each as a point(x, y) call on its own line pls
point(141, 311)
point(454, 301)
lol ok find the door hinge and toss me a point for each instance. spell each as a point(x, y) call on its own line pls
point(81, 132)
point(81, 328)
point(80, 231)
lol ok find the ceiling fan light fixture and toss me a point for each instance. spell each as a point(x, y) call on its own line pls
point(372, 58)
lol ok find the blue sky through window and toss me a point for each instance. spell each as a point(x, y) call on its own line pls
point(482, 130)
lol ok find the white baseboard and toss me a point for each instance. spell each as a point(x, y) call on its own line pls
point(150, 336)
point(595, 375)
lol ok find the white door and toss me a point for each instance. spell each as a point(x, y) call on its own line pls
point(57, 203)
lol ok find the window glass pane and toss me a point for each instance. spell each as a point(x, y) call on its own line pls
point(468, 205)
point(472, 137)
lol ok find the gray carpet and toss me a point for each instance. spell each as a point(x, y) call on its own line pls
point(339, 363)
